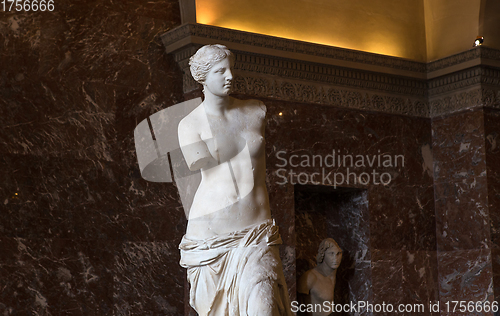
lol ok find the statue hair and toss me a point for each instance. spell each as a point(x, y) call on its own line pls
point(205, 58)
point(323, 246)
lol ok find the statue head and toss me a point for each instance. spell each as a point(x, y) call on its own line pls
point(330, 253)
point(205, 58)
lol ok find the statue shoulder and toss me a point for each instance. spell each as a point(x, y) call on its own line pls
point(261, 105)
point(253, 107)
point(306, 281)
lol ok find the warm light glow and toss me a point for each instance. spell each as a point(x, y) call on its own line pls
point(205, 18)
point(280, 114)
point(362, 25)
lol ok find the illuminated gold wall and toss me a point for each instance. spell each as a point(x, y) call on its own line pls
point(393, 28)
point(489, 23)
point(451, 26)
point(422, 30)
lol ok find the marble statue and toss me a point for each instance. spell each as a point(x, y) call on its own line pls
point(230, 248)
point(317, 286)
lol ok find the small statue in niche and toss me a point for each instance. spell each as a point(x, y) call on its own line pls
point(231, 244)
point(317, 286)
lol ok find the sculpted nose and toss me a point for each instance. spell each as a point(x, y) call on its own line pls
point(229, 75)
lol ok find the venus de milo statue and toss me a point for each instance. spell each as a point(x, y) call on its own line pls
point(231, 244)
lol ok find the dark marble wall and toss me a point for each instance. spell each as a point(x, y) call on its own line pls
point(462, 191)
point(492, 146)
point(401, 221)
point(80, 232)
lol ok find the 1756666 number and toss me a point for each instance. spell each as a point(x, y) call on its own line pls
point(471, 306)
point(27, 5)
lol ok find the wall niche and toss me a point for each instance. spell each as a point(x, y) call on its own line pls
point(342, 214)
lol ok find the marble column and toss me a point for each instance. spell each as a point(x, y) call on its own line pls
point(492, 149)
point(463, 144)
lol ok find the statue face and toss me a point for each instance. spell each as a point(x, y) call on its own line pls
point(219, 78)
point(333, 257)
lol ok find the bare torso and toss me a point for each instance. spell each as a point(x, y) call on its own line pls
point(232, 194)
point(316, 289)
point(323, 288)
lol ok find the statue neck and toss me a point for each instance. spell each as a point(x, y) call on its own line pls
point(216, 105)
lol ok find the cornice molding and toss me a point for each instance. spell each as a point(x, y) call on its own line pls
point(290, 70)
point(476, 53)
point(462, 80)
point(455, 81)
point(281, 47)
point(331, 75)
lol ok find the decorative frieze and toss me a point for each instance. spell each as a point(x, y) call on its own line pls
point(474, 87)
point(288, 90)
point(283, 69)
point(491, 98)
point(464, 100)
point(456, 102)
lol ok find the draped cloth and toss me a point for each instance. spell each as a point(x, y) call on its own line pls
point(224, 270)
